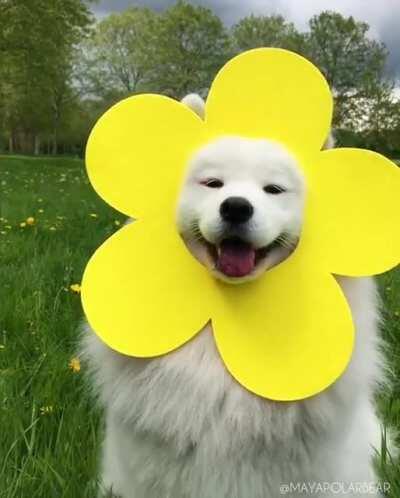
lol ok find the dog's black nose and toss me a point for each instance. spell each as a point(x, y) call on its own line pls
point(236, 210)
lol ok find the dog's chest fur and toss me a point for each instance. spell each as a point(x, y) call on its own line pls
point(179, 426)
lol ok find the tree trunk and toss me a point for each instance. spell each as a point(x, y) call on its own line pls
point(11, 144)
point(55, 143)
point(56, 122)
point(36, 150)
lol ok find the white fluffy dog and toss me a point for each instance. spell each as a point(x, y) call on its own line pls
point(179, 426)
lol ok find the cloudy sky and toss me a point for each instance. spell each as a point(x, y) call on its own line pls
point(382, 15)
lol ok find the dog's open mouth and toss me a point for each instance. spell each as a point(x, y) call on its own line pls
point(237, 258)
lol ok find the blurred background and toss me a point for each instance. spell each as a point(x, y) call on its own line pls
point(62, 64)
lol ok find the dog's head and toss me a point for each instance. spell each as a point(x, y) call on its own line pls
point(241, 206)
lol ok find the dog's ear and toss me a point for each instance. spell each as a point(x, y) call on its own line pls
point(196, 103)
point(330, 142)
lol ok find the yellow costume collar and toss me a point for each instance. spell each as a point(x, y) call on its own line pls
point(289, 334)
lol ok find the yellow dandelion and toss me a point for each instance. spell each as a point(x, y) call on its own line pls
point(30, 220)
point(75, 288)
point(46, 410)
point(75, 365)
point(22, 224)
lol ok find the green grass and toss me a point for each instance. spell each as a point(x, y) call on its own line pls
point(49, 427)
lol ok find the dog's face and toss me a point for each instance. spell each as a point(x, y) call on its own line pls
point(241, 205)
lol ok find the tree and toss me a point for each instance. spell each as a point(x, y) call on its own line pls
point(192, 44)
point(267, 31)
point(119, 56)
point(37, 42)
point(349, 59)
point(372, 122)
point(379, 119)
point(341, 48)
point(56, 72)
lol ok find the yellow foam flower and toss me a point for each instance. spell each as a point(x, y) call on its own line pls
point(30, 220)
point(288, 334)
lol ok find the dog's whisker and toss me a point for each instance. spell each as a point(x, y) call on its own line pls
point(285, 240)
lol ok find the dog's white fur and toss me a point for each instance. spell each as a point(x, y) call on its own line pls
point(179, 426)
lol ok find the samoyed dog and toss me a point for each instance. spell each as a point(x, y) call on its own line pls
point(179, 426)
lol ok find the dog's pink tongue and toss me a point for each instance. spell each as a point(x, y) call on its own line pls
point(236, 258)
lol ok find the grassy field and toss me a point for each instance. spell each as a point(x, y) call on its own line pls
point(49, 429)
point(50, 223)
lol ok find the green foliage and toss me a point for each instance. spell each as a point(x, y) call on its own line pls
point(382, 130)
point(57, 74)
point(341, 48)
point(267, 31)
point(118, 59)
point(138, 50)
point(37, 47)
point(192, 44)
point(388, 396)
point(353, 64)
point(371, 119)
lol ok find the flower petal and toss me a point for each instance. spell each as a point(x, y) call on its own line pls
point(137, 152)
point(272, 93)
point(143, 293)
point(288, 335)
point(354, 206)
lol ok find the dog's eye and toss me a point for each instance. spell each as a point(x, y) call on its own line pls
point(213, 183)
point(274, 189)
